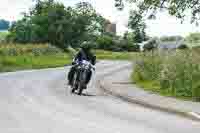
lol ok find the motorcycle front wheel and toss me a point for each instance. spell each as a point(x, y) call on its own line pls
point(74, 85)
point(82, 85)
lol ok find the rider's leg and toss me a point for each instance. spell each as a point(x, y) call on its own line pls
point(89, 77)
point(70, 75)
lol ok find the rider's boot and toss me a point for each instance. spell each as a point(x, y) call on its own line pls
point(85, 86)
point(69, 82)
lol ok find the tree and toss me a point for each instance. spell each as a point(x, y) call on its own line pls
point(178, 8)
point(130, 36)
point(20, 31)
point(52, 22)
point(33, 27)
point(73, 25)
point(4, 24)
point(138, 26)
point(105, 42)
point(193, 38)
point(93, 21)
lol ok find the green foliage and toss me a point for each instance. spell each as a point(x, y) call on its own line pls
point(34, 56)
point(109, 55)
point(175, 73)
point(127, 45)
point(150, 45)
point(178, 8)
point(33, 27)
point(3, 36)
point(28, 49)
point(50, 21)
point(21, 62)
point(105, 42)
point(183, 46)
point(138, 26)
point(31, 56)
point(171, 38)
point(193, 39)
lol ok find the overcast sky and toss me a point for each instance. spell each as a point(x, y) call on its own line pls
point(163, 25)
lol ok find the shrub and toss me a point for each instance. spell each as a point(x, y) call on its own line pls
point(116, 45)
point(183, 46)
point(150, 45)
point(105, 42)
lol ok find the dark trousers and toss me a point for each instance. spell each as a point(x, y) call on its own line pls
point(71, 74)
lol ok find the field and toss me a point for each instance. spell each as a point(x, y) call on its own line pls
point(3, 35)
point(19, 57)
point(108, 55)
point(15, 57)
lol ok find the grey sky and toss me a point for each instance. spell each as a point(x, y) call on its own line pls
point(163, 25)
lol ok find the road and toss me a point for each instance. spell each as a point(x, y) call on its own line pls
point(39, 101)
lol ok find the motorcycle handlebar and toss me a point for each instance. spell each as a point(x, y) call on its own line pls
point(79, 62)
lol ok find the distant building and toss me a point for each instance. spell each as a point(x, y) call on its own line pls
point(169, 45)
point(110, 27)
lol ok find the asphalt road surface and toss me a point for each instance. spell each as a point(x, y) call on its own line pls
point(39, 101)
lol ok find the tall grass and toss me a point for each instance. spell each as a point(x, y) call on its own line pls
point(28, 49)
point(3, 36)
point(31, 56)
point(172, 73)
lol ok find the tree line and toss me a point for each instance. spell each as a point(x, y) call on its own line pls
point(51, 22)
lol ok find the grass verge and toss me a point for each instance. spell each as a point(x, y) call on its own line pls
point(15, 57)
point(153, 86)
point(109, 55)
point(170, 73)
point(22, 62)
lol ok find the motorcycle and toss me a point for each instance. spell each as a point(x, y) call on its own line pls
point(80, 76)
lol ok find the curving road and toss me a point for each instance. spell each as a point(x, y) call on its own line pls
point(39, 101)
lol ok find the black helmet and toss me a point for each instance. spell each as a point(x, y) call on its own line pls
point(86, 45)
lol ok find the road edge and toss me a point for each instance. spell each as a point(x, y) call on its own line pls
point(189, 115)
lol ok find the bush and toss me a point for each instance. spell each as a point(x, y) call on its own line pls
point(133, 48)
point(126, 45)
point(105, 42)
point(116, 45)
point(183, 46)
point(193, 37)
point(149, 46)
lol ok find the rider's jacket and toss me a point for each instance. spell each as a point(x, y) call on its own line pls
point(85, 55)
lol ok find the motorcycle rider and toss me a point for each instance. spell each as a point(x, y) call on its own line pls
point(84, 54)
